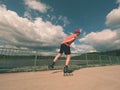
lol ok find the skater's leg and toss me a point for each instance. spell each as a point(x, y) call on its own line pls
point(66, 70)
point(51, 66)
point(68, 57)
point(57, 57)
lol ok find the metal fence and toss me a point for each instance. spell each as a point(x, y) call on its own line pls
point(15, 60)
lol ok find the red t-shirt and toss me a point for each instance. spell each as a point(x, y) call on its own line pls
point(68, 41)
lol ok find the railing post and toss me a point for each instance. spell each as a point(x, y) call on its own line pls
point(118, 60)
point(86, 58)
point(110, 60)
point(35, 61)
point(100, 60)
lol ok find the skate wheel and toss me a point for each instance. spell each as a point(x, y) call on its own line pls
point(68, 74)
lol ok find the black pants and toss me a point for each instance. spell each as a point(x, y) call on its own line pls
point(65, 49)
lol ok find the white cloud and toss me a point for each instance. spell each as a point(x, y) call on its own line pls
point(118, 1)
point(113, 18)
point(104, 40)
point(43, 8)
point(64, 20)
point(27, 15)
point(82, 48)
point(37, 5)
point(21, 32)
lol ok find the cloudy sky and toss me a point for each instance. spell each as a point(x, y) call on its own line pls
point(43, 24)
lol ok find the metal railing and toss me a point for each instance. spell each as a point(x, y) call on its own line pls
point(15, 60)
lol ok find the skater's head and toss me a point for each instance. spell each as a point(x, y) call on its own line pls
point(77, 32)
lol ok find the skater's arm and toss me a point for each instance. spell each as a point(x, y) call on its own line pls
point(70, 39)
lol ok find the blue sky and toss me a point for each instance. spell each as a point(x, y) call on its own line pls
point(83, 14)
point(43, 24)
